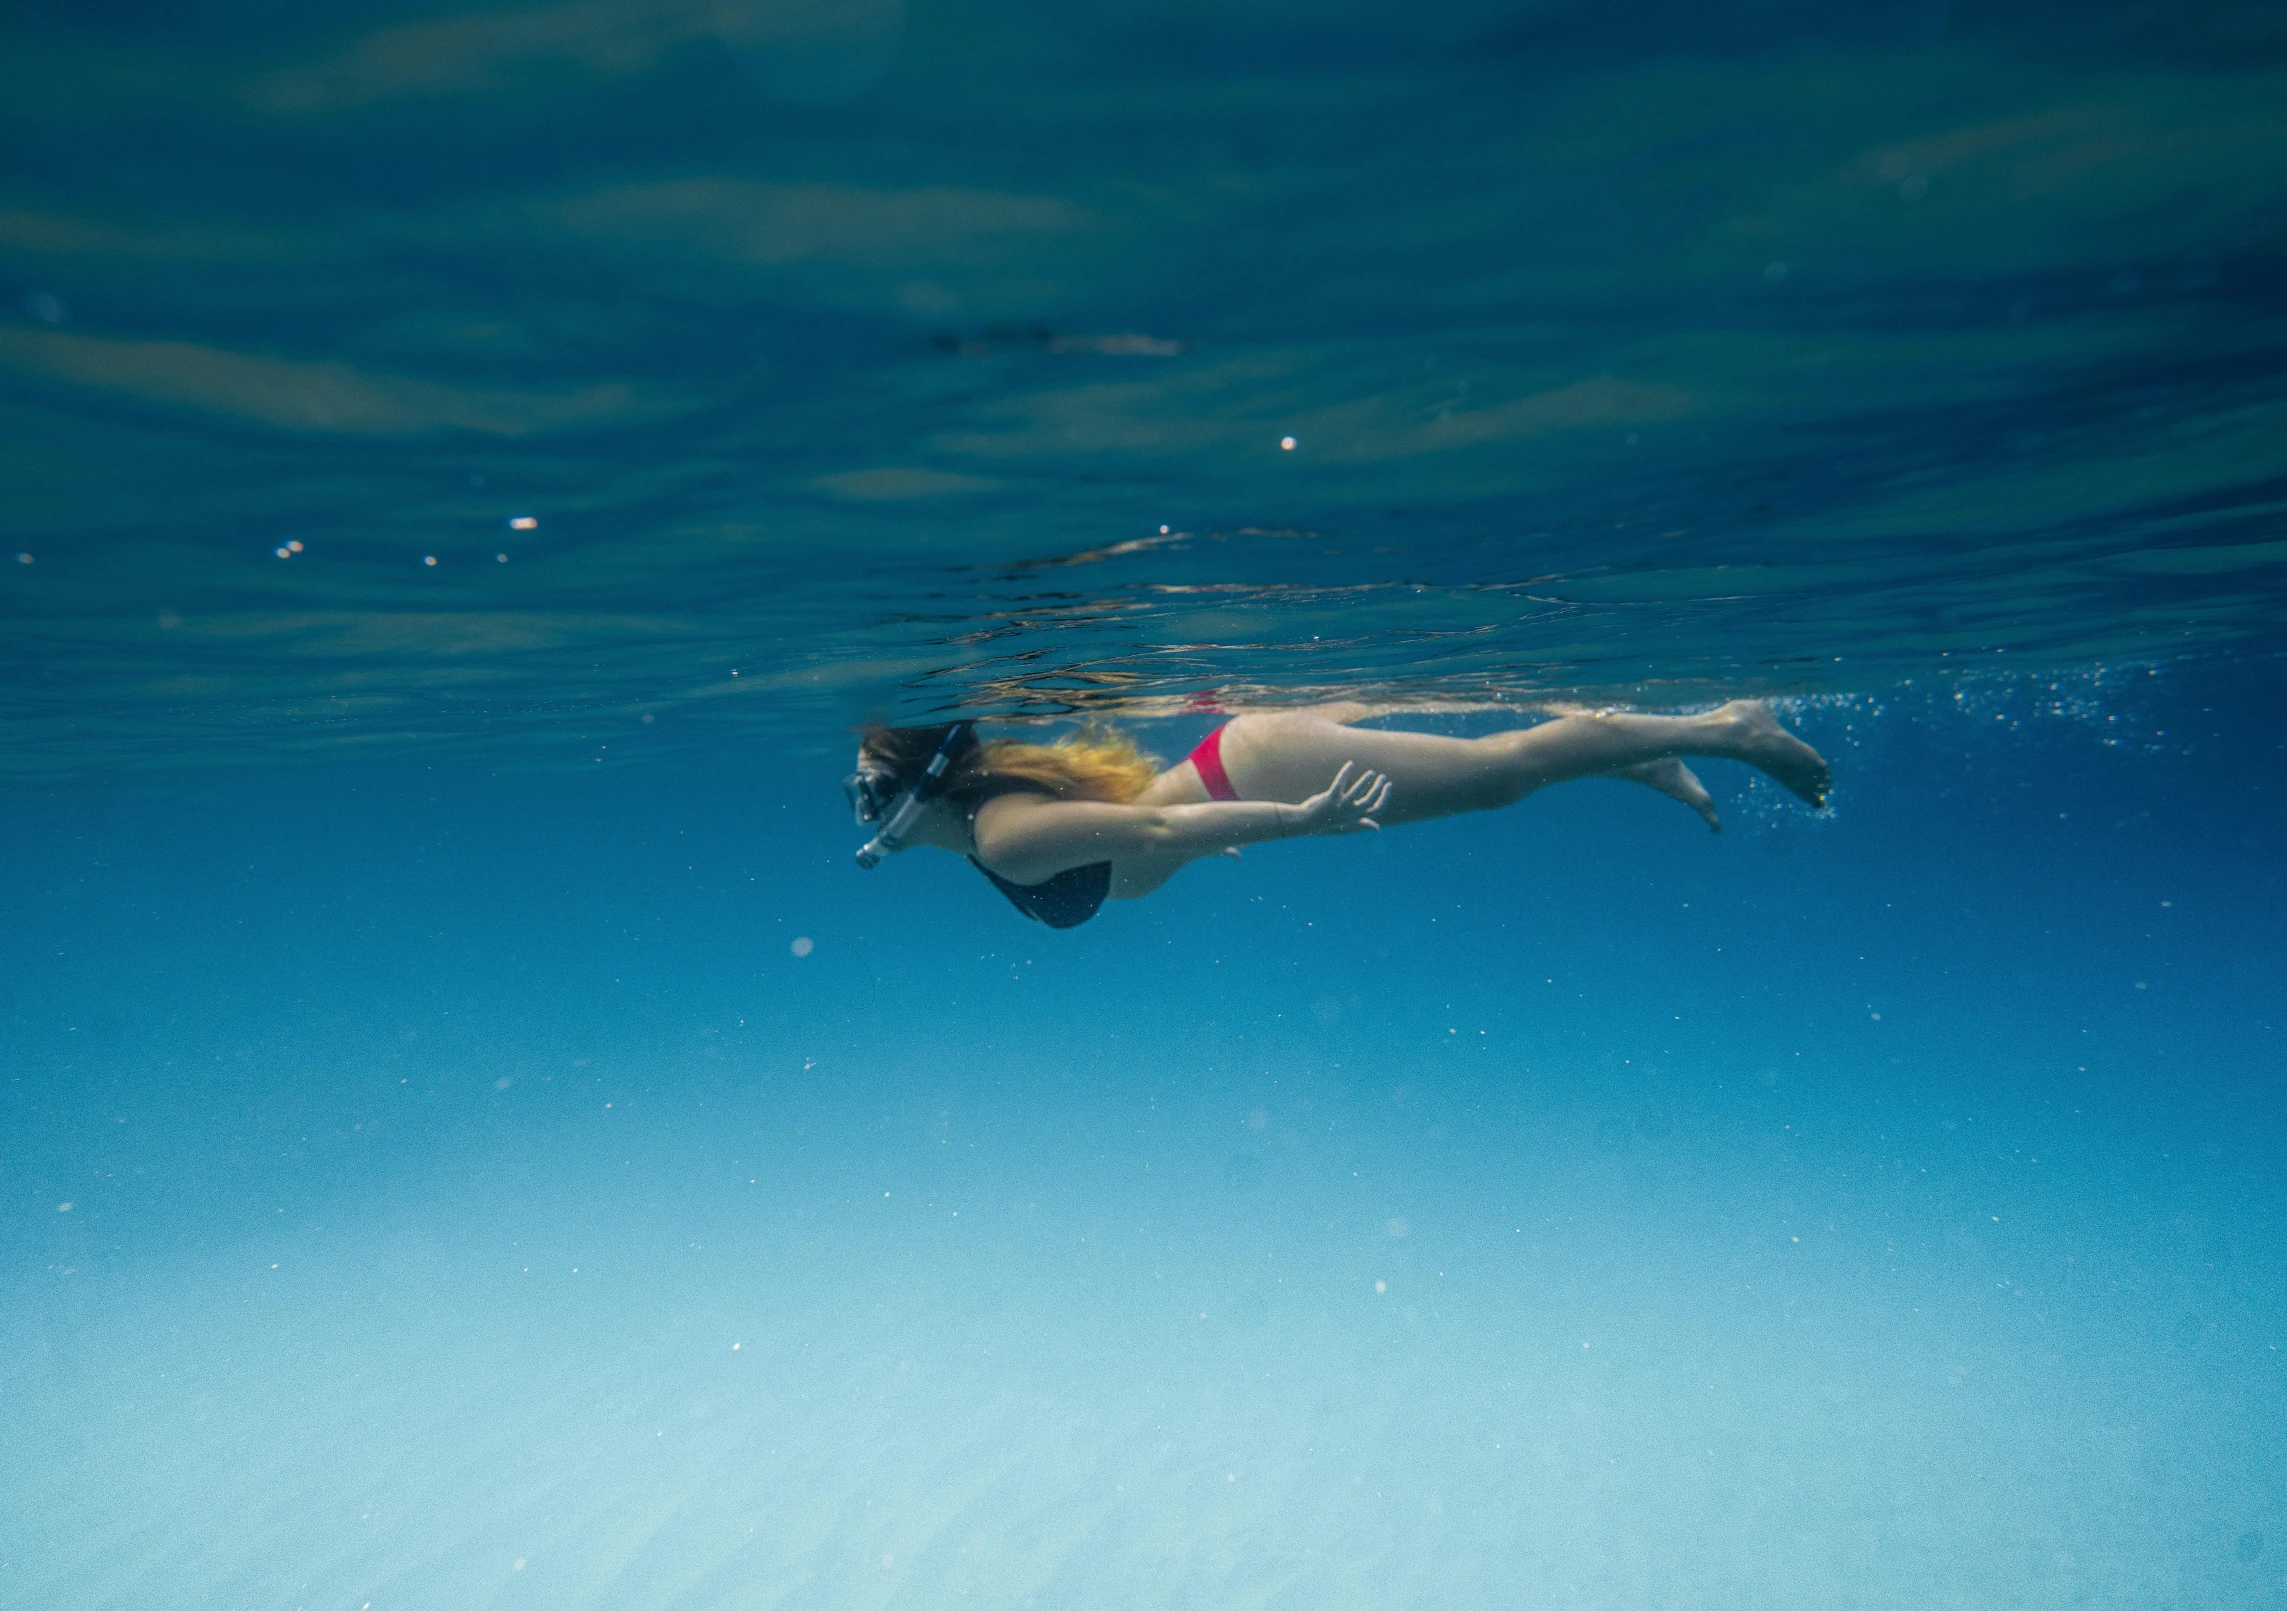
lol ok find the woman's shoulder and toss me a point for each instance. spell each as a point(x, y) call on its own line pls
point(987, 789)
point(986, 800)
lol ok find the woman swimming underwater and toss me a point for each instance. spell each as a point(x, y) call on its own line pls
point(1061, 828)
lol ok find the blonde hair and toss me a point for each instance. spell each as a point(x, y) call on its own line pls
point(1096, 762)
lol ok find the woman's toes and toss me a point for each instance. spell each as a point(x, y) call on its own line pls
point(1678, 782)
point(1794, 765)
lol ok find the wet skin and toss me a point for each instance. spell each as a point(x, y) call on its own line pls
point(1280, 765)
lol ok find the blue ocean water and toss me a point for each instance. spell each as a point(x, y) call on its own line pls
point(470, 1136)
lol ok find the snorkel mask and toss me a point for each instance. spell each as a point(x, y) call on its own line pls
point(871, 789)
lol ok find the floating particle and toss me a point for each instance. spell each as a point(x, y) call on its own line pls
point(63, 1208)
point(23, 559)
point(1775, 270)
point(283, 552)
point(1381, 1286)
point(648, 718)
point(500, 558)
point(1286, 444)
point(428, 559)
point(522, 523)
point(294, 545)
point(803, 945)
point(46, 307)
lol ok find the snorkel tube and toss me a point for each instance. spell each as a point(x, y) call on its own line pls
point(915, 800)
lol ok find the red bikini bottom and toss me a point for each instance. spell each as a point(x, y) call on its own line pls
point(1208, 758)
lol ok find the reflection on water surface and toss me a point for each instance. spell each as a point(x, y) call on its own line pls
point(1651, 352)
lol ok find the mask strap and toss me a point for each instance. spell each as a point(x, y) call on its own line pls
point(916, 799)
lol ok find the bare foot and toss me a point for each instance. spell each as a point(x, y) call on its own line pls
point(1675, 780)
point(1763, 744)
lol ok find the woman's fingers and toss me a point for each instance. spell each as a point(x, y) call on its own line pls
point(1347, 802)
point(1364, 797)
point(1377, 792)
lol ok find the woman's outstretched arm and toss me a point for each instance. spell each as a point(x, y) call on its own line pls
point(1028, 839)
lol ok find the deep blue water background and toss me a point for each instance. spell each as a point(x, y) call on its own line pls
point(1882, 1208)
point(465, 468)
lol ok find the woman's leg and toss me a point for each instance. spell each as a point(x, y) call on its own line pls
point(1291, 757)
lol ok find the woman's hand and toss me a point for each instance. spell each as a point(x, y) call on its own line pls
point(1345, 806)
